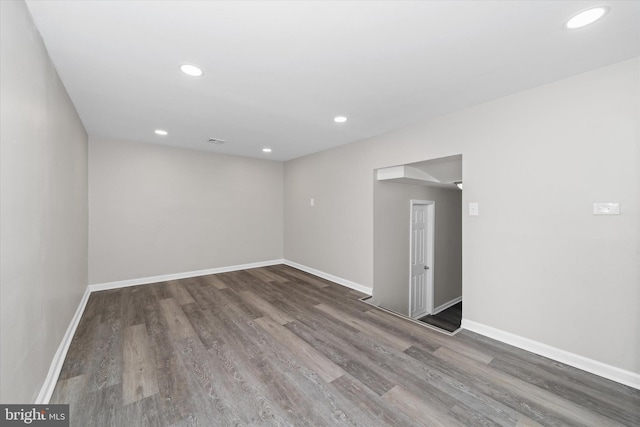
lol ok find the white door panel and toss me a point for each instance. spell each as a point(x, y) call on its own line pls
point(421, 285)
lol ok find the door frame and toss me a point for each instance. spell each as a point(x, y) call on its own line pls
point(430, 249)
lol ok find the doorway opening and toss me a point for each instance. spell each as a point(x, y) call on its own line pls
point(418, 282)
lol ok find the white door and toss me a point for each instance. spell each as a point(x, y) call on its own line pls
point(421, 286)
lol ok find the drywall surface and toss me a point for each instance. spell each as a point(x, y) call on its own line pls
point(43, 207)
point(392, 214)
point(536, 262)
point(156, 210)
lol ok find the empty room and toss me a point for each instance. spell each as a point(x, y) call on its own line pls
point(321, 213)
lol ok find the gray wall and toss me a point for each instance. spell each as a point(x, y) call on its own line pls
point(157, 210)
point(536, 262)
point(43, 208)
point(391, 216)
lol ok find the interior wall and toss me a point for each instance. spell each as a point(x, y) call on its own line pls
point(536, 262)
point(43, 207)
point(156, 210)
point(391, 216)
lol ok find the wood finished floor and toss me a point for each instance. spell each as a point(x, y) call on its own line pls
point(276, 346)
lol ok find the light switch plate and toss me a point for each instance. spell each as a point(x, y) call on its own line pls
point(474, 209)
point(606, 208)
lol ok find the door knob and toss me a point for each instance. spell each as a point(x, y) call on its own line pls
point(426, 268)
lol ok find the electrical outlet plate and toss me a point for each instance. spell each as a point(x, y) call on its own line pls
point(606, 208)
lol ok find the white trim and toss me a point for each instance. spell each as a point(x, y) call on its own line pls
point(446, 305)
point(176, 276)
point(335, 279)
point(604, 370)
point(58, 359)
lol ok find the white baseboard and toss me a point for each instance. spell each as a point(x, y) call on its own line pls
point(339, 280)
point(604, 370)
point(176, 276)
point(58, 359)
point(446, 305)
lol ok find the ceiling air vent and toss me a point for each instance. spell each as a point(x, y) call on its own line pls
point(217, 141)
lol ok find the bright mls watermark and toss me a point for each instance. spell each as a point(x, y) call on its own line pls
point(34, 415)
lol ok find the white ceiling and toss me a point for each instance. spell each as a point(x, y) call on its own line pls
point(276, 73)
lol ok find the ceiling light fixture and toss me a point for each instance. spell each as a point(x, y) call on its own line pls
point(458, 184)
point(266, 150)
point(586, 17)
point(161, 132)
point(340, 119)
point(191, 70)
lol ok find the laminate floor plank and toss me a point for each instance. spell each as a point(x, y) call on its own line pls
point(180, 292)
point(277, 346)
point(418, 409)
point(70, 390)
point(139, 368)
point(81, 349)
point(294, 276)
point(270, 273)
point(179, 325)
point(144, 412)
point(549, 408)
point(443, 388)
point(286, 370)
point(202, 326)
point(231, 280)
point(131, 299)
point(565, 373)
point(107, 361)
point(300, 295)
point(269, 366)
point(200, 290)
point(224, 383)
point(372, 404)
point(162, 290)
point(344, 357)
point(430, 384)
point(425, 337)
point(392, 340)
point(233, 297)
point(213, 279)
point(111, 305)
point(259, 274)
point(619, 410)
point(317, 319)
point(99, 408)
point(251, 281)
point(271, 292)
point(266, 308)
point(175, 397)
point(227, 374)
point(325, 368)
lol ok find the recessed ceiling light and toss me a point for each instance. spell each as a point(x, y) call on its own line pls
point(340, 119)
point(161, 132)
point(586, 17)
point(266, 150)
point(191, 70)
